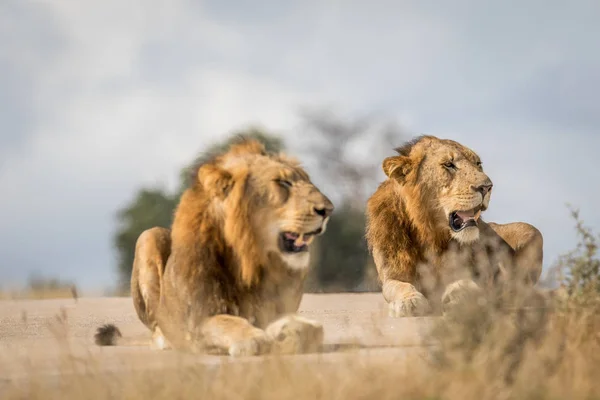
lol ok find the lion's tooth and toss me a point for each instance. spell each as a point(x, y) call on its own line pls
point(477, 214)
point(310, 239)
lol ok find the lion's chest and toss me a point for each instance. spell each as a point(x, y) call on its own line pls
point(268, 302)
point(478, 261)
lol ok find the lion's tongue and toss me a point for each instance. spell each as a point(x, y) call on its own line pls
point(291, 236)
point(466, 215)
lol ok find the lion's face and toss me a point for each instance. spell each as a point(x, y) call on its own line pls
point(270, 206)
point(451, 183)
point(291, 210)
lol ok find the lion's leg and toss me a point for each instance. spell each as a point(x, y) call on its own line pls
point(293, 334)
point(234, 335)
point(151, 252)
point(527, 241)
point(461, 293)
point(403, 298)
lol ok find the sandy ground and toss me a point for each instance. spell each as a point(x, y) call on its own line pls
point(33, 338)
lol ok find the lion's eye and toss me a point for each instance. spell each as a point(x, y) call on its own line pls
point(284, 183)
point(449, 165)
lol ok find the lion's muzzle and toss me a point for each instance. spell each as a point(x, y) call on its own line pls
point(460, 220)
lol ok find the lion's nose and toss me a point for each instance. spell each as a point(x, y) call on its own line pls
point(484, 189)
point(324, 210)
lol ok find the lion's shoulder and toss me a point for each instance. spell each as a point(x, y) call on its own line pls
point(388, 228)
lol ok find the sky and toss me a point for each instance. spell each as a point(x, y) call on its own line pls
point(100, 98)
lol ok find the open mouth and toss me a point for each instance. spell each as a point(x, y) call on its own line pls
point(460, 220)
point(293, 242)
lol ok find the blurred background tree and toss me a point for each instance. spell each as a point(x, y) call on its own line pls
point(347, 155)
point(343, 158)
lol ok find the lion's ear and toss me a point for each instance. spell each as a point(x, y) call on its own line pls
point(397, 167)
point(215, 180)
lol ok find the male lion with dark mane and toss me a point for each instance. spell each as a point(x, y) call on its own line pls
point(426, 236)
point(228, 276)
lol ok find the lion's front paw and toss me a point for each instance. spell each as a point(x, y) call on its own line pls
point(293, 334)
point(463, 293)
point(412, 305)
point(158, 341)
point(258, 343)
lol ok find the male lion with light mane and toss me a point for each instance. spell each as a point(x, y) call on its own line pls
point(228, 276)
point(424, 230)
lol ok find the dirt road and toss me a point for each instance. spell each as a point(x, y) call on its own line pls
point(47, 335)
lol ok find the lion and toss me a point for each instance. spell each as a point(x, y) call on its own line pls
point(227, 278)
point(425, 233)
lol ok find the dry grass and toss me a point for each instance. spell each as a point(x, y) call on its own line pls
point(39, 294)
point(267, 379)
point(539, 347)
point(39, 288)
point(562, 363)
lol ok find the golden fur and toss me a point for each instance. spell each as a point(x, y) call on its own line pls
point(222, 279)
point(420, 259)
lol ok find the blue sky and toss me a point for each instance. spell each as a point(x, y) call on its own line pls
point(101, 97)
